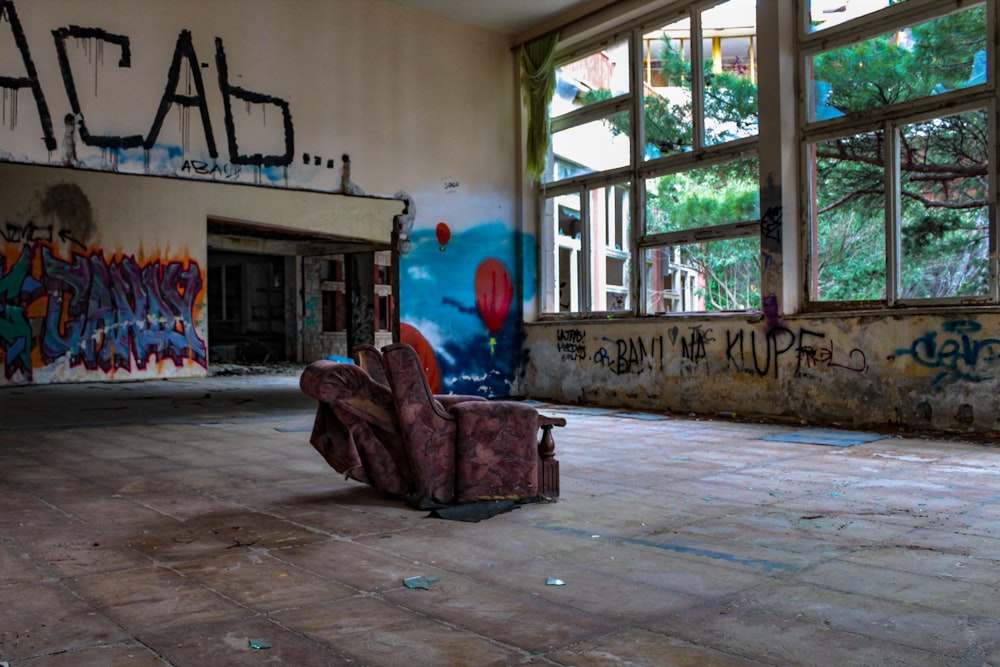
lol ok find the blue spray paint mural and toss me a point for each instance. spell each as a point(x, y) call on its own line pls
point(460, 300)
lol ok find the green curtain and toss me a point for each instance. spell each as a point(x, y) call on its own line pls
point(538, 81)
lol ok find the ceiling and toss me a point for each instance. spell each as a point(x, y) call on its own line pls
point(508, 17)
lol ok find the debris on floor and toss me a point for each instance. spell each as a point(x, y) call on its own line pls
point(420, 582)
point(260, 643)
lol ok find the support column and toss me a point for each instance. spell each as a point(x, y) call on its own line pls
point(780, 231)
point(360, 284)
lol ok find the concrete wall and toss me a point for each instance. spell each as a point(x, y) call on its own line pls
point(344, 96)
point(937, 371)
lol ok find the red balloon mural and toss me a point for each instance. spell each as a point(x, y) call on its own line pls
point(410, 335)
point(443, 234)
point(494, 291)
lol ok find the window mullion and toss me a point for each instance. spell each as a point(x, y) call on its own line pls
point(585, 259)
point(550, 259)
point(637, 192)
point(893, 204)
point(991, 183)
point(697, 82)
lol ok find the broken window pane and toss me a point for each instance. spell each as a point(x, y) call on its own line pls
point(703, 197)
point(609, 229)
point(828, 13)
point(562, 293)
point(591, 147)
point(730, 91)
point(667, 90)
point(592, 78)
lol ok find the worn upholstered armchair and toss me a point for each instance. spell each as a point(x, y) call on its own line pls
point(379, 423)
point(472, 450)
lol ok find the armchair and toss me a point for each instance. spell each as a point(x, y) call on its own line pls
point(472, 450)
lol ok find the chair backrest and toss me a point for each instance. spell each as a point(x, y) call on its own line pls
point(348, 387)
point(369, 358)
point(428, 431)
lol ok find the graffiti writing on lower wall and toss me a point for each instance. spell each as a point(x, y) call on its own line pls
point(759, 353)
point(630, 355)
point(97, 314)
point(750, 351)
point(956, 350)
point(571, 344)
point(693, 343)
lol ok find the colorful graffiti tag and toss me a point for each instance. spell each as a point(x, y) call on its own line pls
point(94, 313)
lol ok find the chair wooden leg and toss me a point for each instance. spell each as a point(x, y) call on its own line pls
point(548, 470)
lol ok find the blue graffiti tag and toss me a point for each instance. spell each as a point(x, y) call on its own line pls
point(958, 353)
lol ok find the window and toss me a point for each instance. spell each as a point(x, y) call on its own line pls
point(333, 293)
point(650, 195)
point(898, 157)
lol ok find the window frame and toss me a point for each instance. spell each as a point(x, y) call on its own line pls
point(640, 169)
point(889, 119)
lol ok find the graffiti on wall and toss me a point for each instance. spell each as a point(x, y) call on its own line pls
point(184, 91)
point(694, 343)
point(571, 344)
point(631, 355)
point(461, 303)
point(752, 351)
point(759, 353)
point(96, 313)
point(958, 351)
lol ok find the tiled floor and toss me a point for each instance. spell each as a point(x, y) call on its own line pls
point(171, 523)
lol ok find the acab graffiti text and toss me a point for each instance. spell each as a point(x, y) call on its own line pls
point(184, 70)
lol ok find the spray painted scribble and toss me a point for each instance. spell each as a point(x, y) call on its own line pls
point(571, 344)
point(753, 354)
point(96, 313)
point(630, 355)
point(959, 353)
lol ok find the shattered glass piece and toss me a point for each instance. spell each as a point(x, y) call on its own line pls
point(260, 643)
point(420, 582)
point(552, 581)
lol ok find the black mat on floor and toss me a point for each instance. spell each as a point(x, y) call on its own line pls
point(474, 512)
